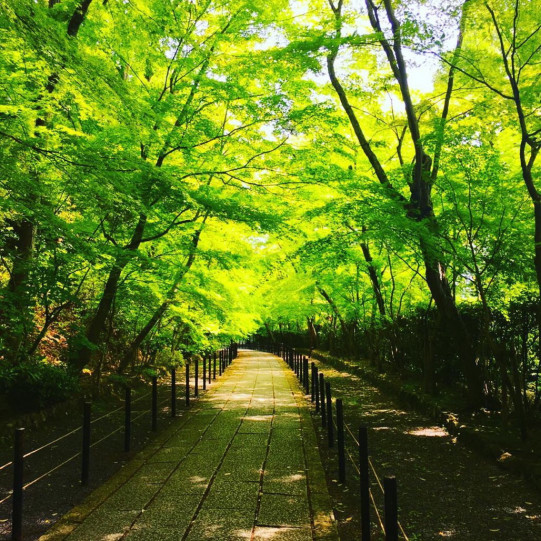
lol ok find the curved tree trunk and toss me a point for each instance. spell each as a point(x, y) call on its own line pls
point(160, 311)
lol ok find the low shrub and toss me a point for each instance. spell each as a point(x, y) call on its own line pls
point(36, 385)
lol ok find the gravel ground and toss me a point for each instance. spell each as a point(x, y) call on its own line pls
point(444, 489)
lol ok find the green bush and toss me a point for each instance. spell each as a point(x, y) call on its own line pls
point(33, 386)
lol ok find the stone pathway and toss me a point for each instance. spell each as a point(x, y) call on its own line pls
point(243, 463)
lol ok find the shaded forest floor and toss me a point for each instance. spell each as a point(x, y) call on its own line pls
point(445, 489)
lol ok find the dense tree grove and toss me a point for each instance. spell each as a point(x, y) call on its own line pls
point(360, 177)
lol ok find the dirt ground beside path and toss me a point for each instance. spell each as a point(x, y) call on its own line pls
point(445, 490)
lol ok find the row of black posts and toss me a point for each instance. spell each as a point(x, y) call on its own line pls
point(212, 364)
point(321, 395)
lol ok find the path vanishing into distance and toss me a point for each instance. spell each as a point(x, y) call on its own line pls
point(242, 464)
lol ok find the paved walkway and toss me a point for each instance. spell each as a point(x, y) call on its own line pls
point(243, 463)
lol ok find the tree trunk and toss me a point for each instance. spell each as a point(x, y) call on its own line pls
point(19, 320)
point(374, 279)
point(269, 331)
point(312, 334)
point(419, 207)
point(16, 305)
point(160, 311)
point(343, 325)
point(83, 354)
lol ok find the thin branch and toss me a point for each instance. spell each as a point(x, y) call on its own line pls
point(173, 224)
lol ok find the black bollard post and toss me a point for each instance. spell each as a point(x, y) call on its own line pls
point(187, 384)
point(154, 404)
point(365, 483)
point(322, 396)
point(328, 403)
point(209, 368)
point(316, 388)
point(127, 419)
point(204, 372)
point(85, 454)
point(306, 379)
point(214, 366)
point(340, 440)
point(313, 373)
point(18, 465)
point(220, 361)
point(196, 382)
point(173, 392)
point(391, 509)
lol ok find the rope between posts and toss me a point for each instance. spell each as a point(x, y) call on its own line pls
point(74, 431)
point(376, 475)
point(78, 454)
point(352, 435)
point(353, 462)
point(372, 467)
point(376, 510)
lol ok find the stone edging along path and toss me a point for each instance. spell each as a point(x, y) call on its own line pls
point(242, 464)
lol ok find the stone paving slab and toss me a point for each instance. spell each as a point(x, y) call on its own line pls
point(243, 463)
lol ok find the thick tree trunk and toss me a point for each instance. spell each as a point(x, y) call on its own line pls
point(16, 305)
point(443, 297)
point(24, 232)
point(78, 17)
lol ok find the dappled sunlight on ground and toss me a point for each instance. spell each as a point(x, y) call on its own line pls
point(429, 431)
point(242, 534)
point(276, 534)
point(445, 490)
point(293, 478)
point(389, 411)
